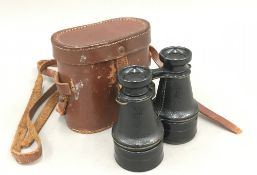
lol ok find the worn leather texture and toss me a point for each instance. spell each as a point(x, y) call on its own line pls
point(88, 58)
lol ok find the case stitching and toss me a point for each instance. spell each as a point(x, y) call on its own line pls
point(99, 23)
point(99, 45)
point(56, 38)
point(85, 131)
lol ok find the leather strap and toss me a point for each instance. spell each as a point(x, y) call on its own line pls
point(219, 119)
point(155, 56)
point(64, 89)
point(203, 109)
point(27, 132)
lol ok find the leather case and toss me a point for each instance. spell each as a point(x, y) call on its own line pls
point(88, 58)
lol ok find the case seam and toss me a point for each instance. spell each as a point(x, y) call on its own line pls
point(101, 45)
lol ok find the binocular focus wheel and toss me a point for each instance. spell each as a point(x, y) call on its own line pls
point(180, 132)
point(139, 161)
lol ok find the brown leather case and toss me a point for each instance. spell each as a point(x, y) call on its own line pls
point(88, 58)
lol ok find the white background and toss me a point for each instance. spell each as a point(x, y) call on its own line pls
point(222, 37)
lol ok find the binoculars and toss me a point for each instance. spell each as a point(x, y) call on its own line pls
point(145, 121)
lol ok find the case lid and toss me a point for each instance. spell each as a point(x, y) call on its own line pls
point(103, 41)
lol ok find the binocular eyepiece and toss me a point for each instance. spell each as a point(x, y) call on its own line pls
point(144, 123)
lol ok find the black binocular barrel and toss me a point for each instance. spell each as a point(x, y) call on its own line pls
point(174, 102)
point(138, 134)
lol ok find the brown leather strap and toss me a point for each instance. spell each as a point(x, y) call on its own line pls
point(27, 132)
point(64, 89)
point(155, 56)
point(219, 119)
point(204, 110)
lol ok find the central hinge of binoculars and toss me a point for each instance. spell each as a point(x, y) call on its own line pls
point(164, 73)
